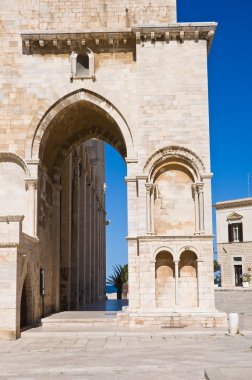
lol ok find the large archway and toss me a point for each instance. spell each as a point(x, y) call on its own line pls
point(71, 200)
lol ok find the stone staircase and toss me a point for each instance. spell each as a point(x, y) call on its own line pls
point(79, 319)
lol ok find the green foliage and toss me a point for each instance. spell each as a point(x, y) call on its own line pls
point(119, 278)
point(216, 266)
point(246, 277)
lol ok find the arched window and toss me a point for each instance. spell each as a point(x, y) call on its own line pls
point(82, 65)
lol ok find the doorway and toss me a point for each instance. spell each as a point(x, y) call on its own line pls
point(238, 275)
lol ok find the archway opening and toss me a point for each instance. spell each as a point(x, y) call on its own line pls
point(26, 305)
point(165, 280)
point(72, 215)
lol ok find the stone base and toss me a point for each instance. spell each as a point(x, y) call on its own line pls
point(172, 319)
point(7, 334)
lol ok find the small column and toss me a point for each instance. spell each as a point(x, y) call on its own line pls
point(201, 207)
point(31, 186)
point(148, 206)
point(196, 207)
point(153, 192)
point(176, 262)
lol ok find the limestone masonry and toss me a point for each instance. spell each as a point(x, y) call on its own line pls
point(125, 73)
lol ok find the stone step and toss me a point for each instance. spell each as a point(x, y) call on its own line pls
point(72, 332)
point(80, 318)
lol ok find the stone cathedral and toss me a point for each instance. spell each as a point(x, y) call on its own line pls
point(76, 74)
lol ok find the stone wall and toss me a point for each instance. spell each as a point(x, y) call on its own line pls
point(148, 97)
point(226, 254)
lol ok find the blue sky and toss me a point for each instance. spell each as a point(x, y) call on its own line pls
point(230, 102)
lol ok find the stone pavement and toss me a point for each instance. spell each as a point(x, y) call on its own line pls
point(123, 358)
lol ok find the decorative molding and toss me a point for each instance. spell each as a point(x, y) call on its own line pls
point(9, 245)
point(176, 153)
point(141, 177)
point(16, 159)
point(234, 216)
point(206, 176)
point(11, 218)
point(131, 160)
point(176, 32)
point(120, 40)
point(165, 238)
point(130, 179)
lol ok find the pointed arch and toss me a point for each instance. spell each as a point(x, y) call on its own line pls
point(39, 126)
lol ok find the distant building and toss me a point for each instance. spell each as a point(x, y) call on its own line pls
point(234, 239)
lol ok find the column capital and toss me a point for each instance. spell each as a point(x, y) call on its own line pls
point(200, 186)
point(176, 262)
point(31, 183)
point(149, 187)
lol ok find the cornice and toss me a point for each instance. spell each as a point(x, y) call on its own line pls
point(233, 203)
point(9, 245)
point(169, 238)
point(121, 40)
point(11, 218)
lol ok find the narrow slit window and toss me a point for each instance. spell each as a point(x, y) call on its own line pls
point(82, 66)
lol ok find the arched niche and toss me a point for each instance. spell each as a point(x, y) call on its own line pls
point(165, 280)
point(26, 314)
point(174, 210)
point(188, 282)
point(13, 171)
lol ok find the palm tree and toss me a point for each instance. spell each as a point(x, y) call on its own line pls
point(119, 278)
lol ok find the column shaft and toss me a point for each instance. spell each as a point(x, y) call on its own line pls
point(176, 262)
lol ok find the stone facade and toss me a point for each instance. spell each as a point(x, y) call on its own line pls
point(143, 88)
point(234, 240)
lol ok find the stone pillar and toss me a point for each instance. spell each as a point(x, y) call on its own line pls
point(10, 295)
point(88, 242)
point(82, 207)
point(142, 209)
point(95, 243)
point(201, 207)
point(75, 236)
point(176, 262)
point(65, 235)
point(133, 243)
point(92, 251)
point(103, 251)
point(31, 187)
point(56, 244)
